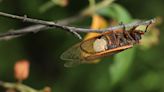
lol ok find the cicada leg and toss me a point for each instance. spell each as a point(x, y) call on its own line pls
point(126, 33)
point(148, 26)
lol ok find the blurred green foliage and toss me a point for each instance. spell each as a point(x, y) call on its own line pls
point(134, 70)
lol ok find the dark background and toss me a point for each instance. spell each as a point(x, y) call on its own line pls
point(43, 49)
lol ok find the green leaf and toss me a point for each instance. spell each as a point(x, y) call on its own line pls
point(46, 6)
point(121, 65)
point(117, 12)
point(150, 80)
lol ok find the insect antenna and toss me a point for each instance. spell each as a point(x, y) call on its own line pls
point(148, 26)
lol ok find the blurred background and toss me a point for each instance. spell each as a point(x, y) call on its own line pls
point(140, 69)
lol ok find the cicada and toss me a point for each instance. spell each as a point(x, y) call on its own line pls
point(105, 44)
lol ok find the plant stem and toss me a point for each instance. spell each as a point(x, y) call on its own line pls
point(51, 24)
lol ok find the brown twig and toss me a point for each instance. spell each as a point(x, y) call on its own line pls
point(42, 22)
point(18, 86)
point(22, 87)
point(50, 24)
point(36, 28)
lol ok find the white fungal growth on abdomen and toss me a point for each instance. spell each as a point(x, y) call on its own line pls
point(100, 45)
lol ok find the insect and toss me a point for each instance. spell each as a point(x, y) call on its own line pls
point(105, 44)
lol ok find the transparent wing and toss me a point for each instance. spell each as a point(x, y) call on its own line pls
point(87, 46)
point(73, 56)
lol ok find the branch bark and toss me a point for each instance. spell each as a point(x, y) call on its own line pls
point(50, 24)
point(18, 86)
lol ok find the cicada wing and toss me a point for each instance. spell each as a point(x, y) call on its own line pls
point(108, 52)
point(97, 56)
point(73, 56)
point(87, 45)
point(71, 64)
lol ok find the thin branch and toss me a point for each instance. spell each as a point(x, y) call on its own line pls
point(44, 25)
point(18, 86)
point(50, 24)
point(36, 21)
point(36, 28)
point(87, 11)
point(13, 34)
point(72, 19)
